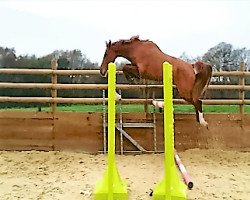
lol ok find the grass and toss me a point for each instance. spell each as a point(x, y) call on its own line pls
point(137, 108)
point(208, 108)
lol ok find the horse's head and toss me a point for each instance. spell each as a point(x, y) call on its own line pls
point(109, 56)
point(113, 50)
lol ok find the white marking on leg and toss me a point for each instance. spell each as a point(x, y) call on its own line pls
point(202, 120)
point(117, 97)
point(159, 104)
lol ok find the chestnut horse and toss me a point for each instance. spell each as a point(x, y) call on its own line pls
point(146, 60)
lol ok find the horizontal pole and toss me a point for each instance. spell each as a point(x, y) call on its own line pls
point(74, 86)
point(229, 87)
point(50, 71)
point(124, 101)
point(105, 86)
point(231, 73)
point(93, 72)
point(217, 102)
point(52, 100)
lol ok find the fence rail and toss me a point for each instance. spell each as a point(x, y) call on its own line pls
point(60, 100)
point(95, 72)
point(104, 86)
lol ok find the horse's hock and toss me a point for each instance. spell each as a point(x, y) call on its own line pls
point(84, 131)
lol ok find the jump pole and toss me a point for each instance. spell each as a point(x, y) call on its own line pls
point(171, 187)
point(111, 186)
point(183, 171)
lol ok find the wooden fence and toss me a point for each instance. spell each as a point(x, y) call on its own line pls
point(85, 131)
point(54, 86)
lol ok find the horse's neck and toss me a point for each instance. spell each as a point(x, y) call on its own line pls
point(126, 51)
point(131, 52)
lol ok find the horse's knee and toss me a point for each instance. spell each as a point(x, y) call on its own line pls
point(125, 70)
point(131, 70)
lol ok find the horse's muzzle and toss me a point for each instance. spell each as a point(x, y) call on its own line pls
point(103, 74)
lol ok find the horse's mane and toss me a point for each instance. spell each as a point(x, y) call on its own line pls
point(123, 41)
point(132, 39)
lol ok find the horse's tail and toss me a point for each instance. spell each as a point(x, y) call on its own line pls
point(203, 74)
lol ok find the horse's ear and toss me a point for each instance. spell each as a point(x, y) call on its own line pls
point(108, 44)
point(136, 37)
point(125, 41)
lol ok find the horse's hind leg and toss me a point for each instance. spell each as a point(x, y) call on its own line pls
point(202, 79)
point(131, 73)
point(199, 114)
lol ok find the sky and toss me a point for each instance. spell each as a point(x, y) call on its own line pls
point(190, 26)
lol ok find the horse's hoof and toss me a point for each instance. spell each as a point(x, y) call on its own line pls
point(204, 123)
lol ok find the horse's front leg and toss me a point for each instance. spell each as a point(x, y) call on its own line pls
point(131, 73)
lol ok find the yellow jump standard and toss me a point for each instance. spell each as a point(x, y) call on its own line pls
point(111, 187)
point(171, 187)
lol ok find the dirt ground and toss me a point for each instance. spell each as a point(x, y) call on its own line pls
point(216, 174)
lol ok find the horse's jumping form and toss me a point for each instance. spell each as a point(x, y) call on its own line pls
point(146, 60)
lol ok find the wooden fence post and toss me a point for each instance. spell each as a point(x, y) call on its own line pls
point(242, 92)
point(53, 95)
point(54, 82)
